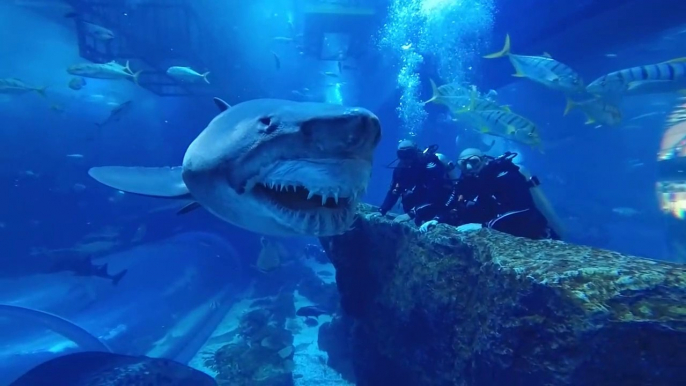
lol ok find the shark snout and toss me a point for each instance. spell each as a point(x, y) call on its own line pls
point(350, 132)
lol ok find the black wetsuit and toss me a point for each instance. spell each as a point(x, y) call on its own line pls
point(498, 197)
point(422, 187)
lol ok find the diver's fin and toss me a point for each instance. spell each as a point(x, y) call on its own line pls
point(434, 92)
point(569, 107)
point(505, 51)
point(223, 106)
point(189, 208)
point(158, 182)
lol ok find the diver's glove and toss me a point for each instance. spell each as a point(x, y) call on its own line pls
point(469, 227)
point(427, 225)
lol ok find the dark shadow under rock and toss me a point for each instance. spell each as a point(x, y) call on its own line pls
point(324, 295)
point(486, 308)
point(334, 339)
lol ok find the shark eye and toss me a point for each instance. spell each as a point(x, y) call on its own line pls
point(269, 127)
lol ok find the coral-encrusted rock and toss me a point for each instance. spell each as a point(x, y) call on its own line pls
point(486, 308)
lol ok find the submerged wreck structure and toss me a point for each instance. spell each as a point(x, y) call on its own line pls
point(486, 308)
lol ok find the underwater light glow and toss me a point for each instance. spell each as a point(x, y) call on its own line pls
point(450, 30)
point(671, 184)
point(429, 7)
point(334, 94)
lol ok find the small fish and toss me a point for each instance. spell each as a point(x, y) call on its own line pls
point(56, 107)
point(277, 60)
point(17, 87)
point(111, 70)
point(646, 115)
point(626, 212)
point(186, 74)
point(91, 368)
point(77, 83)
point(542, 69)
point(330, 74)
point(116, 114)
point(311, 311)
point(611, 55)
point(596, 110)
point(283, 39)
point(75, 155)
point(665, 77)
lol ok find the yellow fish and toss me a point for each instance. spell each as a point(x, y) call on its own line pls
point(542, 69)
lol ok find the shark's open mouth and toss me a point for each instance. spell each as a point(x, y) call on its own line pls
point(309, 211)
point(299, 198)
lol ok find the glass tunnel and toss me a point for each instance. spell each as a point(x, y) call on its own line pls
point(182, 286)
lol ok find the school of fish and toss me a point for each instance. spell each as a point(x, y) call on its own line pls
point(598, 100)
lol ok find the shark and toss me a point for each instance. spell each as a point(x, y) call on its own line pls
point(271, 166)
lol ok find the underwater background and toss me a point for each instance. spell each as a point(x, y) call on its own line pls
point(192, 284)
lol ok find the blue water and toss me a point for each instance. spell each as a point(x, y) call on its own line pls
point(601, 180)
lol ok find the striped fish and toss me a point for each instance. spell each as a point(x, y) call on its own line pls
point(665, 77)
point(509, 126)
point(460, 99)
point(597, 111)
point(542, 69)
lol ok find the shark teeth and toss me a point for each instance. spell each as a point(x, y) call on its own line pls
point(335, 193)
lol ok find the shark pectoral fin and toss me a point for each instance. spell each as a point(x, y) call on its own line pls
point(191, 206)
point(158, 182)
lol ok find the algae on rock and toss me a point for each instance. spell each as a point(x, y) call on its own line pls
point(263, 355)
point(487, 308)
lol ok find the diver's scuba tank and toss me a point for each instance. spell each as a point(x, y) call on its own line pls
point(540, 200)
point(542, 204)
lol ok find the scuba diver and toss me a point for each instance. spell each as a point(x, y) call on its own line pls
point(495, 193)
point(422, 180)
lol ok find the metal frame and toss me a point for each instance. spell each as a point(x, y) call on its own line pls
point(153, 36)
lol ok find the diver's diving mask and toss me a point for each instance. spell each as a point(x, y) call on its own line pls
point(470, 163)
point(407, 154)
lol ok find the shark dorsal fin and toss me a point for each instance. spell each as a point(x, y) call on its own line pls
point(223, 106)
